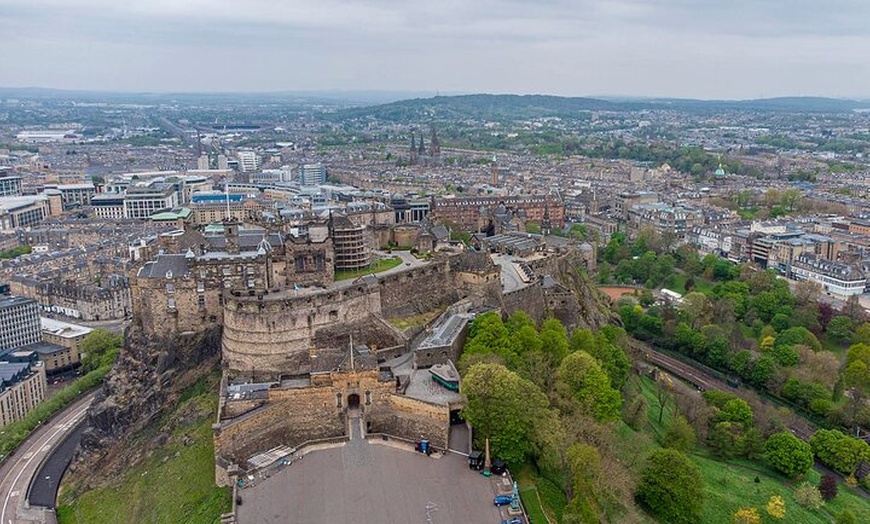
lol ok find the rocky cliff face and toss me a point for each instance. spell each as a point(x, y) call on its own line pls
point(148, 378)
point(593, 306)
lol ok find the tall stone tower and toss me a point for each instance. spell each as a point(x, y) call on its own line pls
point(434, 146)
point(413, 148)
point(493, 178)
point(546, 225)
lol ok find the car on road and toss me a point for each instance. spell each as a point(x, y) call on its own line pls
point(502, 500)
point(515, 520)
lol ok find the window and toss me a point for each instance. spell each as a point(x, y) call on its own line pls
point(368, 398)
point(200, 300)
point(171, 303)
point(338, 400)
point(170, 287)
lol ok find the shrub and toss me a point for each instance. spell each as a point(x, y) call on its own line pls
point(746, 516)
point(808, 496)
point(828, 487)
point(776, 507)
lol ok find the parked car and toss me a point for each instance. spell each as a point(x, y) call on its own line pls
point(515, 520)
point(502, 500)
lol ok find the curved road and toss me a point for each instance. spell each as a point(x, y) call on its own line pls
point(20, 467)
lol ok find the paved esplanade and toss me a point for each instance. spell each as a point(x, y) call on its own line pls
point(366, 482)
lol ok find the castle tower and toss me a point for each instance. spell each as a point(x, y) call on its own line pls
point(434, 145)
point(493, 178)
point(231, 233)
point(546, 226)
point(421, 151)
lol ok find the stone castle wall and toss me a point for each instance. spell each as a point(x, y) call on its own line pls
point(529, 299)
point(274, 334)
point(307, 414)
point(271, 333)
point(411, 419)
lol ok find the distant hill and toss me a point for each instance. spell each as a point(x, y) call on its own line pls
point(495, 107)
point(481, 106)
point(811, 104)
point(399, 106)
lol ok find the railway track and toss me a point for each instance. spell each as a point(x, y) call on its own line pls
point(701, 379)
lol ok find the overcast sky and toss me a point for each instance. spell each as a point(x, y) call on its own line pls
point(678, 48)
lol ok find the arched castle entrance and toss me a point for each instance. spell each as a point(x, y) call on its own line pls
point(353, 401)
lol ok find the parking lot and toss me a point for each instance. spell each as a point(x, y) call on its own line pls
point(372, 483)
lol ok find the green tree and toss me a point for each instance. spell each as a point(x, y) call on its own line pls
point(788, 454)
point(736, 410)
point(503, 407)
point(840, 328)
point(98, 348)
point(612, 358)
point(554, 340)
point(680, 434)
point(838, 451)
point(672, 487)
point(862, 334)
point(488, 335)
point(581, 377)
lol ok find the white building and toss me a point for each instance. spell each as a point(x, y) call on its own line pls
point(312, 174)
point(19, 322)
point(248, 161)
point(835, 277)
point(144, 201)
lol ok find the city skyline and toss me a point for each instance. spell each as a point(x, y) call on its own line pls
point(723, 50)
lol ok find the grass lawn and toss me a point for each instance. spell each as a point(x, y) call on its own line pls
point(378, 266)
point(416, 320)
point(532, 486)
point(677, 282)
point(730, 484)
point(176, 484)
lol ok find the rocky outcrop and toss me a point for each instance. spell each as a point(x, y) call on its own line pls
point(593, 306)
point(146, 381)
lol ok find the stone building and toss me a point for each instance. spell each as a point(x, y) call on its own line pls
point(22, 387)
point(475, 213)
point(351, 244)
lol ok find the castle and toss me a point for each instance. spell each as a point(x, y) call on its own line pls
point(301, 352)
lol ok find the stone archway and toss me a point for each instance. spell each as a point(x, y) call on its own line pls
point(353, 401)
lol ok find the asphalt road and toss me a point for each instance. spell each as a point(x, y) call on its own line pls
point(19, 468)
point(43, 490)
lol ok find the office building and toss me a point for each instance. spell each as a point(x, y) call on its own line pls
point(144, 201)
point(22, 211)
point(248, 161)
point(10, 185)
point(19, 322)
point(312, 174)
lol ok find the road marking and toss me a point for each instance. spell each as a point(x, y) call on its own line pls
point(9, 495)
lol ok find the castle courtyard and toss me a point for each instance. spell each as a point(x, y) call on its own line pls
point(371, 483)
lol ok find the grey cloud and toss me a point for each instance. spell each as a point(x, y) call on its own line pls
point(703, 48)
